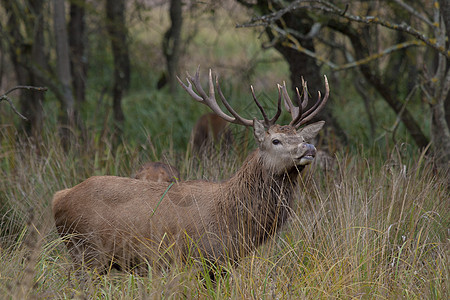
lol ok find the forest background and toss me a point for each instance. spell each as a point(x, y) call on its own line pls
point(110, 101)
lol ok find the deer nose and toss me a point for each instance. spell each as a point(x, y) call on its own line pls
point(308, 149)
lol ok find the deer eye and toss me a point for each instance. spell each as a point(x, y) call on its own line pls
point(276, 142)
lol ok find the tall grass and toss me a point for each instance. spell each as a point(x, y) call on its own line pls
point(369, 228)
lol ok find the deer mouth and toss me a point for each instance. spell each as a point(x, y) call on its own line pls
point(306, 160)
point(307, 157)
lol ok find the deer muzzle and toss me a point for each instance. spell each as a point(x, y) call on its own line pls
point(308, 153)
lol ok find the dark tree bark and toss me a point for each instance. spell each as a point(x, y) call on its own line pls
point(25, 52)
point(63, 61)
point(385, 90)
point(171, 43)
point(302, 65)
point(445, 13)
point(115, 18)
point(440, 104)
point(78, 55)
point(401, 74)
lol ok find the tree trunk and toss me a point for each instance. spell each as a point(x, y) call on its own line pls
point(441, 111)
point(171, 43)
point(440, 134)
point(23, 53)
point(361, 51)
point(302, 65)
point(115, 18)
point(63, 62)
point(78, 55)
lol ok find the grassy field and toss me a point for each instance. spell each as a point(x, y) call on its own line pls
point(370, 228)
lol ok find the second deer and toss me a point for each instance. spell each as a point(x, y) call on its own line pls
point(158, 172)
point(210, 132)
point(110, 221)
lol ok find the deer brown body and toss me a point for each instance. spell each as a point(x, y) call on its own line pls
point(112, 221)
point(158, 172)
point(208, 131)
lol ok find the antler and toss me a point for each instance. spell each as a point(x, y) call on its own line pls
point(298, 116)
point(272, 121)
point(210, 100)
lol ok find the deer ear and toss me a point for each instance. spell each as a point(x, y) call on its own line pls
point(258, 130)
point(310, 131)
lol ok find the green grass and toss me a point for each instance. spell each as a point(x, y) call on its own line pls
point(371, 228)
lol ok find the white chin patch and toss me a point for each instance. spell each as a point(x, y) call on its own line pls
point(306, 160)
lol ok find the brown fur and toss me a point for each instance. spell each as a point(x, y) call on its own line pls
point(158, 171)
point(113, 221)
point(210, 130)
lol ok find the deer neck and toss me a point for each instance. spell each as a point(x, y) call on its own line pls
point(254, 177)
point(258, 200)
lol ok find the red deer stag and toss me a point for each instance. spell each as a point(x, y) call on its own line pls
point(158, 172)
point(210, 130)
point(125, 223)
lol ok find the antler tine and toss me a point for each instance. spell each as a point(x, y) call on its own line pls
point(308, 115)
point(290, 107)
point(189, 90)
point(305, 94)
point(299, 109)
point(266, 119)
point(272, 121)
point(198, 86)
point(237, 118)
point(287, 100)
point(210, 100)
point(278, 113)
point(301, 104)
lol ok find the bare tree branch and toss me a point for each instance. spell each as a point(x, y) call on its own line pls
point(295, 44)
point(331, 8)
point(414, 12)
point(378, 55)
point(273, 17)
point(25, 87)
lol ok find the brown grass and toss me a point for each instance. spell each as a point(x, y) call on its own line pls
point(367, 229)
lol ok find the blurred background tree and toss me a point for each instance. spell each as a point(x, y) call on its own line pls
point(118, 32)
point(23, 37)
point(387, 62)
point(399, 49)
point(172, 43)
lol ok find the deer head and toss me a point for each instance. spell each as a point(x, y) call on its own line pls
point(283, 147)
point(158, 171)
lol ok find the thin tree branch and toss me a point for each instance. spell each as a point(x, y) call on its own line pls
point(398, 119)
point(273, 17)
point(25, 87)
point(399, 27)
point(295, 44)
point(380, 54)
point(413, 12)
point(330, 8)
